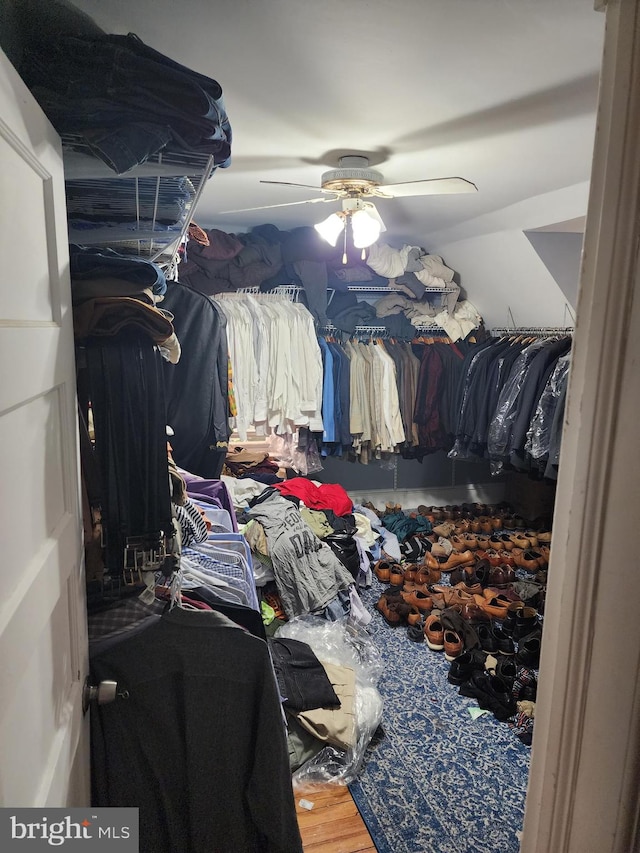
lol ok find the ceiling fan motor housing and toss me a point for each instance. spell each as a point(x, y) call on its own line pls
point(353, 176)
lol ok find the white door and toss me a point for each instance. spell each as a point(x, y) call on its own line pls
point(43, 646)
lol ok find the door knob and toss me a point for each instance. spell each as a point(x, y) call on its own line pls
point(102, 693)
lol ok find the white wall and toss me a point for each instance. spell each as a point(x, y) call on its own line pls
point(500, 269)
point(503, 273)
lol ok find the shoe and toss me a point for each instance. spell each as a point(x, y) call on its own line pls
point(501, 576)
point(492, 606)
point(455, 559)
point(434, 632)
point(488, 642)
point(504, 643)
point(530, 561)
point(491, 693)
point(469, 588)
point(507, 670)
point(409, 573)
point(445, 529)
point(414, 617)
point(417, 598)
point(416, 632)
point(453, 645)
point(509, 622)
point(544, 537)
point(520, 541)
point(484, 542)
point(428, 574)
point(382, 570)
point(461, 575)
point(529, 650)
point(463, 666)
point(458, 543)
point(506, 541)
point(485, 525)
point(394, 613)
point(525, 622)
point(471, 542)
point(396, 575)
point(505, 594)
point(482, 571)
point(472, 613)
point(506, 558)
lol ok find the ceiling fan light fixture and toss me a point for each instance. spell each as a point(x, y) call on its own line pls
point(331, 228)
point(366, 228)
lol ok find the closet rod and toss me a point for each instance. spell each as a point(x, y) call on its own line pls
point(539, 331)
point(288, 292)
point(379, 331)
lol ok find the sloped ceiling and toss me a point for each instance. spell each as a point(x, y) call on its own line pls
point(502, 92)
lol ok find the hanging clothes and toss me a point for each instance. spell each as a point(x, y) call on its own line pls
point(197, 387)
point(195, 739)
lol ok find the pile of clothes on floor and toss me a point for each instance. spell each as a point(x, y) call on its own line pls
point(471, 583)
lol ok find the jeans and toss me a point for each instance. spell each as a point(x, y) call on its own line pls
point(302, 679)
point(128, 100)
point(87, 262)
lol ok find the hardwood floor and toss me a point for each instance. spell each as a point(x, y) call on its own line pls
point(334, 824)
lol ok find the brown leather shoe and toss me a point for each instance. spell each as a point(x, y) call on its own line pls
point(434, 632)
point(448, 596)
point(469, 589)
point(394, 613)
point(507, 593)
point(414, 616)
point(418, 598)
point(453, 645)
point(532, 536)
point(530, 561)
point(484, 542)
point(428, 575)
point(396, 575)
point(470, 541)
point(501, 576)
point(496, 609)
point(445, 528)
point(472, 613)
point(438, 550)
point(457, 542)
point(463, 558)
point(382, 570)
point(520, 541)
point(410, 572)
point(544, 537)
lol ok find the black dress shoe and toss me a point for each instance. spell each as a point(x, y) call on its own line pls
point(507, 670)
point(504, 643)
point(529, 650)
point(488, 642)
point(526, 622)
point(464, 665)
point(491, 693)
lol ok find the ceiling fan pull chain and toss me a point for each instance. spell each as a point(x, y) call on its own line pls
point(344, 252)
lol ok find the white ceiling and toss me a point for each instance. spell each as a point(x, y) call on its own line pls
point(501, 92)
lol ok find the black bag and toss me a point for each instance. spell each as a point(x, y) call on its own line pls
point(344, 547)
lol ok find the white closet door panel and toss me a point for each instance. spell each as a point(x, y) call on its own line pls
point(43, 646)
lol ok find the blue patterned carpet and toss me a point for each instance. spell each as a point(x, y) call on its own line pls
point(436, 781)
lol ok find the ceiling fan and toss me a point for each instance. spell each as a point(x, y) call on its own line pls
point(354, 179)
point(354, 184)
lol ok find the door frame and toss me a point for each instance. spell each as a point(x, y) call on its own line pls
point(585, 767)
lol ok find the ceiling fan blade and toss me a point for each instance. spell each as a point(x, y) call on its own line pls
point(290, 184)
point(269, 206)
point(431, 186)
